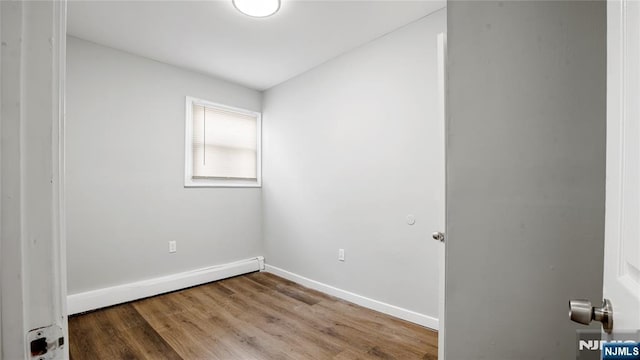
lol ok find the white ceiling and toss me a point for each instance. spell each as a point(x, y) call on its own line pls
point(212, 37)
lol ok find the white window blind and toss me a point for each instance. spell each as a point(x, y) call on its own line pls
point(224, 144)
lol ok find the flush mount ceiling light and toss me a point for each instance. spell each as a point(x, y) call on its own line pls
point(257, 8)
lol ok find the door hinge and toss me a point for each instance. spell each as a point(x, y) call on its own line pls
point(46, 343)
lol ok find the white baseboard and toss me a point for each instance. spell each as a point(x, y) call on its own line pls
point(100, 298)
point(404, 314)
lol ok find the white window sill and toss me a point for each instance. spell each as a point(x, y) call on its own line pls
point(209, 183)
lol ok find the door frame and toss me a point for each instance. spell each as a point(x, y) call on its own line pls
point(59, 151)
point(442, 121)
point(618, 285)
point(33, 254)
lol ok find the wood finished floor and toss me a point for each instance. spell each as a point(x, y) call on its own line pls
point(255, 316)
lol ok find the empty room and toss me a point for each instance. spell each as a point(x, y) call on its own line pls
point(287, 154)
point(320, 179)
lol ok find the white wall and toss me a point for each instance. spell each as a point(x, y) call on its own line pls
point(351, 148)
point(125, 164)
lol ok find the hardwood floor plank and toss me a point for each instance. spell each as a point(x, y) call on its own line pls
point(189, 335)
point(233, 330)
point(379, 327)
point(277, 283)
point(306, 342)
point(345, 327)
point(257, 316)
point(391, 329)
point(377, 340)
point(248, 326)
point(116, 333)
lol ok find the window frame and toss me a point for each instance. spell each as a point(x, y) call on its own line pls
point(189, 181)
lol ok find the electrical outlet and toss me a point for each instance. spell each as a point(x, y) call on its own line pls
point(172, 246)
point(341, 254)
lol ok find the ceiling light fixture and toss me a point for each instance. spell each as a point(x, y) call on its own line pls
point(257, 8)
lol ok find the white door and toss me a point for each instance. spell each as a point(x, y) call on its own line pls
point(622, 230)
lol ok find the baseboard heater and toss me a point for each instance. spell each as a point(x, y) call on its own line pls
point(96, 299)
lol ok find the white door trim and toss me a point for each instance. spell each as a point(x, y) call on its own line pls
point(32, 173)
point(622, 247)
point(442, 60)
point(13, 322)
point(59, 166)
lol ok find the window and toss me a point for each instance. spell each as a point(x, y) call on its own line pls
point(222, 145)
